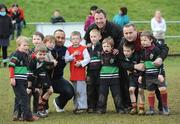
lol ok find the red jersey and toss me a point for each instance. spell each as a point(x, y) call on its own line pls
point(77, 73)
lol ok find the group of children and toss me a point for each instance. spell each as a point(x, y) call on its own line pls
point(30, 75)
point(103, 66)
point(31, 72)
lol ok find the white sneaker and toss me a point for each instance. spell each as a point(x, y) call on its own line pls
point(57, 107)
point(47, 111)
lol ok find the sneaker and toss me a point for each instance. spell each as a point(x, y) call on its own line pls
point(120, 111)
point(133, 111)
point(42, 114)
point(141, 112)
point(47, 111)
point(57, 107)
point(160, 112)
point(90, 110)
point(150, 111)
point(79, 111)
point(127, 110)
point(165, 110)
point(16, 116)
point(100, 112)
point(33, 118)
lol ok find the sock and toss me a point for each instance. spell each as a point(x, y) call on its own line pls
point(164, 97)
point(134, 105)
point(141, 106)
point(151, 100)
point(43, 101)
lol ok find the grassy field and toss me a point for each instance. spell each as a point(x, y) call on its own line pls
point(172, 71)
point(77, 10)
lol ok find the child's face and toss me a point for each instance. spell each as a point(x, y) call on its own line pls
point(56, 14)
point(75, 40)
point(36, 40)
point(24, 46)
point(95, 37)
point(107, 48)
point(127, 51)
point(41, 56)
point(145, 41)
point(93, 12)
point(50, 45)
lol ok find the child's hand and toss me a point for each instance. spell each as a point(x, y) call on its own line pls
point(76, 53)
point(160, 78)
point(129, 72)
point(139, 67)
point(37, 90)
point(158, 62)
point(12, 81)
point(50, 90)
point(89, 45)
point(115, 51)
point(77, 64)
point(55, 62)
point(140, 79)
point(28, 91)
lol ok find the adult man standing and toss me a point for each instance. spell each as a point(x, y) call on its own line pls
point(60, 85)
point(106, 29)
point(132, 35)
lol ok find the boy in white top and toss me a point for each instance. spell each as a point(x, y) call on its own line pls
point(78, 57)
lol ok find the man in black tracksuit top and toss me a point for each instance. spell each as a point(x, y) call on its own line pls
point(93, 73)
point(60, 85)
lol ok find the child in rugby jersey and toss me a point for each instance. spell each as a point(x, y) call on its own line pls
point(154, 76)
point(18, 79)
point(109, 78)
point(131, 57)
point(93, 70)
point(41, 82)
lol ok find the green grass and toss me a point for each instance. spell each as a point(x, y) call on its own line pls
point(172, 72)
point(77, 10)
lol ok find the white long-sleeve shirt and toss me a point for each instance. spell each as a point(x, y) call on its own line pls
point(158, 28)
point(83, 62)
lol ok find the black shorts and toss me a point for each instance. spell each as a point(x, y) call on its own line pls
point(133, 82)
point(152, 83)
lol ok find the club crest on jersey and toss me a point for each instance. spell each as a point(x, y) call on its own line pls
point(111, 60)
point(151, 56)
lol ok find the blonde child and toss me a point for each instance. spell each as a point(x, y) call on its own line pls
point(93, 70)
point(18, 79)
point(78, 57)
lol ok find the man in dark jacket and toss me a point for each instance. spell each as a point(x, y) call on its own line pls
point(106, 28)
point(60, 85)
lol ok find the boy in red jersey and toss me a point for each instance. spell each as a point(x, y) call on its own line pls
point(78, 57)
